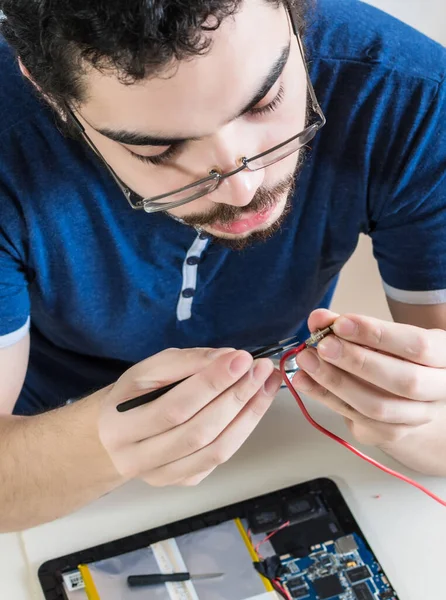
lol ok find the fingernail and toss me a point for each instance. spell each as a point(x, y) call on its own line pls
point(272, 384)
point(302, 382)
point(240, 364)
point(330, 347)
point(345, 327)
point(308, 361)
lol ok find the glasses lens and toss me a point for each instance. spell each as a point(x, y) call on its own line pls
point(283, 151)
point(192, 192)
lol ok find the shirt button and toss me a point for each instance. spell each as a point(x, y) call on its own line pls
point(188, 293)
point(203, 236)
point(193, 260)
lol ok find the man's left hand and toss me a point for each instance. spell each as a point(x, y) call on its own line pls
point(387, 379)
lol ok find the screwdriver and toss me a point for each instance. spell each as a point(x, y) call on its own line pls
point(159, 578)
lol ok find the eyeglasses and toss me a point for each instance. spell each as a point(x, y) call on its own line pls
point(209, 184)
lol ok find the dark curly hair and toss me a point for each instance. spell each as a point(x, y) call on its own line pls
point(55, 39)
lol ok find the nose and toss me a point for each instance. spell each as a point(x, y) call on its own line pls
point(239, 189)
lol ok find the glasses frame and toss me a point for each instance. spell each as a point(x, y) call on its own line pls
point(215, 178)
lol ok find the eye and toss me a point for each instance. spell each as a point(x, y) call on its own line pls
point(260, 110)
point(159, 159)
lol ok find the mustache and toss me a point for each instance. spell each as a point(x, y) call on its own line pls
point(262, 200)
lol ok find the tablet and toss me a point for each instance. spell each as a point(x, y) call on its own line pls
point(299, 542)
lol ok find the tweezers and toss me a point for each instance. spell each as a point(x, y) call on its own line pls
point(260, 352)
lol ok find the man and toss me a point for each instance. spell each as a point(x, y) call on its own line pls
point(202, 117)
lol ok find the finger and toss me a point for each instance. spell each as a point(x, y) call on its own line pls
point(206, 426)
point(342, 392)
point(162, 369)
point(222, 449)
point(321, 318)
point(184, 401)
point(195, 480)
point(397, 376)
point(372, 433)
point(191, 481)
point(421, 346)
point(364, 430)
point(305, 384)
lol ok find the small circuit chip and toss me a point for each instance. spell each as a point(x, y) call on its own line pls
point(73, 580)
point(326, 561)
point(327, 587)
point(297, 591)
point(358, 574)
point(386, 595)
point(362, 591)
point(292, 568)
point(296, 582)
point(346, 545)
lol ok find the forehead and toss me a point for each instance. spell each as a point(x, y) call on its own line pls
point(199, 94)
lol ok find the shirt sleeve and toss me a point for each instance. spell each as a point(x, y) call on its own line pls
point(14, 297)
point(408, 216)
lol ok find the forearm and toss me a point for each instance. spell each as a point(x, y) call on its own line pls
point(424, 450)
point(52, 464)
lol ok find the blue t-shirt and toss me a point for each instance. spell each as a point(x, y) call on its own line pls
point(104, 286)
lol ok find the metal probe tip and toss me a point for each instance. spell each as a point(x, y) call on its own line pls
point(317, 336)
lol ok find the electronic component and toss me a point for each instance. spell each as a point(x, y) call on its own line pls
point(271, 567)
point(73, 580)
point(304, 508)
point(264, 519)
point(300, 506)
point(346, 545)
point(299, 592)
point(327, 574)
point(358, 574)
point(327, 587)
point(297, 587)
point(301, 549)
point(292, 567)
point(295, 510)
point(361, 591)
point(325, 561)
point(296, 582)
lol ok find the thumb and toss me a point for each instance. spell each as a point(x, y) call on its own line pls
point(321, 318)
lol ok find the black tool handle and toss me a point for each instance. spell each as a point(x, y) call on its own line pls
point(156, 579)
point(146, 398)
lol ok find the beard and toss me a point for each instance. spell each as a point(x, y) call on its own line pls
point(264, 199)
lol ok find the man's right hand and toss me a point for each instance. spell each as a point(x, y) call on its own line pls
point(183, 436)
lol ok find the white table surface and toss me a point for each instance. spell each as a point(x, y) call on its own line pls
point(406, 529)
point(14, 576)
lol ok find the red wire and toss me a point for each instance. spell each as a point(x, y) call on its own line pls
point(269, 536)
point(281, 589)
point(334, 437)
point(276, 583)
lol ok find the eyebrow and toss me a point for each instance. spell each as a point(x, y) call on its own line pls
point(140, 139)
